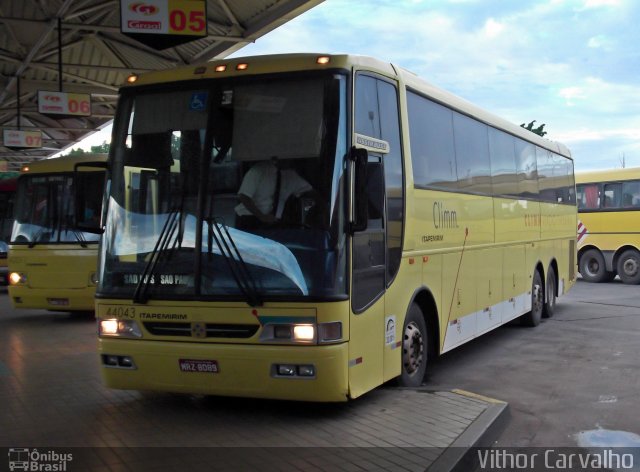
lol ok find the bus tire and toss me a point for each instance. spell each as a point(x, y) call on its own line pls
point(414, 348)
point(592, 266)
point(550, 294)
point(629, 267)
point(533, 318)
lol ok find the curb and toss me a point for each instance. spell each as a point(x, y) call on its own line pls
point(482, 432)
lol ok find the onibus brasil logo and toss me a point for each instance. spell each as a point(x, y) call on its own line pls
point(22, 458)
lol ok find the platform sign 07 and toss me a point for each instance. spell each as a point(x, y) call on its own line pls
point(22, 139)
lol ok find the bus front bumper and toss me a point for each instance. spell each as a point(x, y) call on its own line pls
point(80, 299)
point(242, 370)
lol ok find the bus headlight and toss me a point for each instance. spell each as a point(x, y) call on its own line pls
point(93, 278)
point(16, 278)
point(304, 332)
point(120, 328)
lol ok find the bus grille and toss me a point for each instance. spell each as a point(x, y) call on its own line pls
point(211, 330)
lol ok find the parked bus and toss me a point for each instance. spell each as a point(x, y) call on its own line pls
point(430, 222)
point(609, 225)
point(52, 264)
point(7, 193)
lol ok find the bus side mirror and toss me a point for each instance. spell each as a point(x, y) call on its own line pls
point(88, 195)
point(359, 199)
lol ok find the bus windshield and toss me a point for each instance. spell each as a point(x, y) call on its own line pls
point(44, 209)
point(182, 160)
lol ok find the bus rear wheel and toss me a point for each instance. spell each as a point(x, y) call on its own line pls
point(592, 266)
point(550, 294)
point(629, 267)
point(537, 302)
point(414, 348)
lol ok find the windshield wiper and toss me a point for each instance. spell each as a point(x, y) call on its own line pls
point(165, 239)
point(229, 251)
point(37, 236)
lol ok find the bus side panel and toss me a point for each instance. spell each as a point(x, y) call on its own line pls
point(396, 302)
point(366, 341)
point(489, 289)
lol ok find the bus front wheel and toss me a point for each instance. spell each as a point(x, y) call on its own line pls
point(414, 348)
point(592, 266)
point(629, 267)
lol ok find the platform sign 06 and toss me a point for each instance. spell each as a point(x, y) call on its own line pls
point(163, 23)
point(62, 103)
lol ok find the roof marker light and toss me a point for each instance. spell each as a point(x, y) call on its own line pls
point(323, 60)
point(242, 66)
point(25, 169)
point(221, 68)
point(132, 78)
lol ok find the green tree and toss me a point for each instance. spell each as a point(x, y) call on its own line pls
point(76, 152)
point(101, 149)
point(539, 130)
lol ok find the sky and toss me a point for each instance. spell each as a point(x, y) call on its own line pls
point(573, 65)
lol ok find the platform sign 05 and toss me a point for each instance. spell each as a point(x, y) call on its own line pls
point(62, 103)
point(22, 139)
point(163, 23)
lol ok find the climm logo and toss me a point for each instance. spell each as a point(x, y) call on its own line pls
point(143, 8)
point(444, 218)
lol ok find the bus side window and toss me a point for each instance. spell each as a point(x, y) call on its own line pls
point(631, 194)
point(588, 196)
point(612, 195)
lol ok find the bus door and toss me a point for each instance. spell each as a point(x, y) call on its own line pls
point(376, 249)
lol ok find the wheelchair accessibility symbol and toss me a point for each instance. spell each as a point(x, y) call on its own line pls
point(198, 101)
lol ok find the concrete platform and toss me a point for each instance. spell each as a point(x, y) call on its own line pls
point(52, 399)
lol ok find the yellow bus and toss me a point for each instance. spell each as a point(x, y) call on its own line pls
point(429, 223)
point(609, 225)
point(7, 194)
point(52, 264)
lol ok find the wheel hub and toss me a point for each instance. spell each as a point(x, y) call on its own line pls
point(412, 348)
point(630, 267)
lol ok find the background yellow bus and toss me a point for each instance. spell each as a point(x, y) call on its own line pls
point(7, 193)
point(52, 265)
point(609, 225)
point(431, 222)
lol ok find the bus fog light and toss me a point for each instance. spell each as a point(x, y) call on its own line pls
point(110, 360)
point(306, 371)
point(304, 332)
point(286, 370)
point(328, 332)
point(126, 362)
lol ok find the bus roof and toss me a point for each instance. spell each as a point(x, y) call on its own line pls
point(256, 65)
point(609, 175)
point(61, 164)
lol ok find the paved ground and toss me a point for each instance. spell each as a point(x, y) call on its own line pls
point(52, 399)
point(577, 372)
point(573, 377)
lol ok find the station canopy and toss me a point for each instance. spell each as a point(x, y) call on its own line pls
point(95, 58)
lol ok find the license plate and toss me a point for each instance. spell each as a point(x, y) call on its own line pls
point(198, 365)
